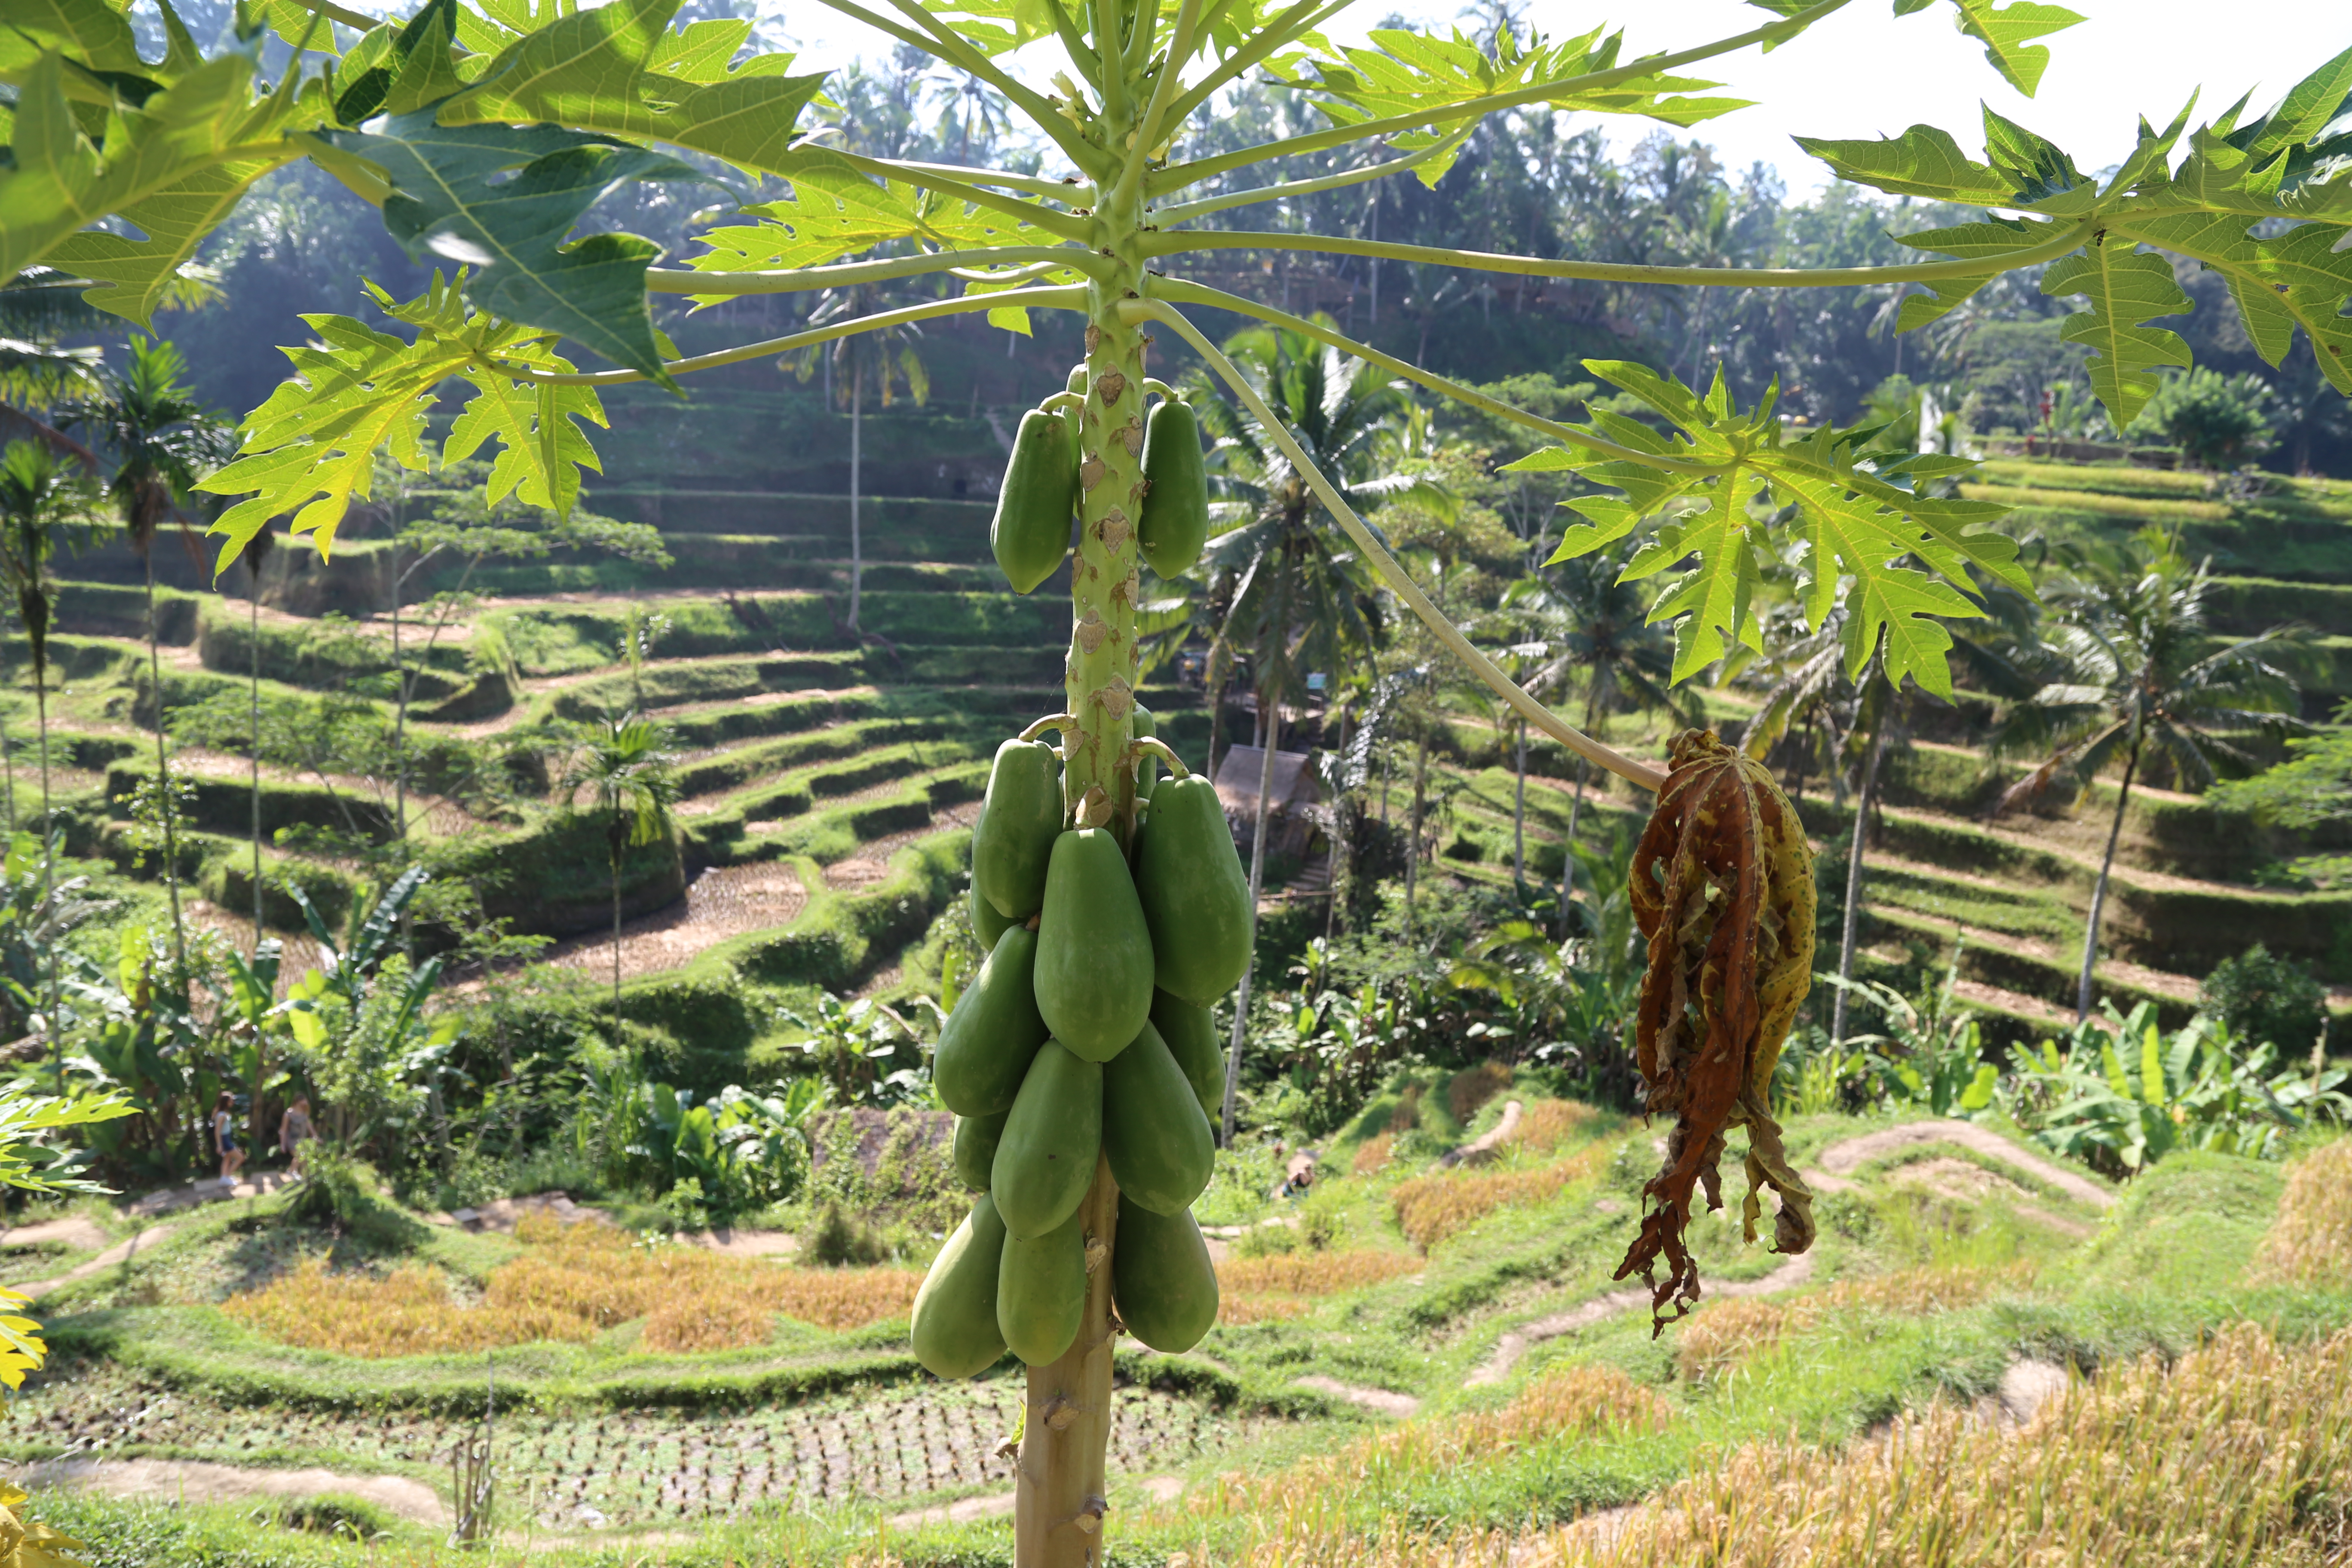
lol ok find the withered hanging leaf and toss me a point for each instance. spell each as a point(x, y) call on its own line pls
point(1722, 887)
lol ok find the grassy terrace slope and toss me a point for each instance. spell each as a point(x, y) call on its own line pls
point(1440, 1348)
point(828, 783)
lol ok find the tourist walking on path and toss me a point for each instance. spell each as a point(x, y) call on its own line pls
point(294, 1131)
point(232, 1158)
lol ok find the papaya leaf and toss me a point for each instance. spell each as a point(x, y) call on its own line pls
point(2008, 33)
point(1908, 555)
point(618, 69)
point(835, 211)
point(309, 450)
point(502, 199)
point(2126, 288)
point(58, 180)
point(999, 27)
point(1403, 73)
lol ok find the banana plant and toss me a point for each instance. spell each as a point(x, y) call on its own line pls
point(441, 118)
point(2121, 1094)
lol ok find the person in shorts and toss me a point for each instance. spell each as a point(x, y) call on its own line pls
point(232, 1158)
point(294, 1131)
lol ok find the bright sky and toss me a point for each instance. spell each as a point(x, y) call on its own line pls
point(1866, 72)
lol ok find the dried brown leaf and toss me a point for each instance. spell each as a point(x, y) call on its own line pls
point(1722, 887)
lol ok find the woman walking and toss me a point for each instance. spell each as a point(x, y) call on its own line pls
point(232, 1158)
point(293, 1132)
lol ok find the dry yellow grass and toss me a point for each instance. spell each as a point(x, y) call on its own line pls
point(571, 1282)
point(405, 1312)
point(1234, 1312)
point(1258, 1289)
point(1572, 1402)
point(1430, 1208)
point(2310, 1243)
point(1373, 1154)
point(1313, 1273)
point(1722, 1335)
point(2233, 1458)
point(1549, 1124)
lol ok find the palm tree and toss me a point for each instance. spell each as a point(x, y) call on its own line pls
point(162, 441)
point(39, 501)
point(2127, 671)
point(1303, 597)
point(1583, 616)
point(881, 358)
point(620, 765)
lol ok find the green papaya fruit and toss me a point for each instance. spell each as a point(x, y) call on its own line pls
point(1146, 766)
point(1191, 1034)
point(1196, 899)
point(1045, 1160)
point(1161, 1278)
point(954, 1326)
point(1041, 1291)
point(1154, 1131)
point(1174, 524)
point(1019, 817)
point(988, 921)
point(1031, 531)
point(1095, 960)
point(976, 1138)
point(986, 1043)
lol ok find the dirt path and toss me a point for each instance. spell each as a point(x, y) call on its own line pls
point(1840, 1160)
point(1515, 1343)
point(723, 901)
point(121, 1252)
point(175, 1480)
point(1479, 1150)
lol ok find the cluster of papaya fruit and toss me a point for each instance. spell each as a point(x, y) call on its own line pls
point(1086, 1038)
point(1046, 477)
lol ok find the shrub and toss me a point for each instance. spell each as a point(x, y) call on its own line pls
point(835, 1239)
point(2310, 1242)
point(2265, 999)
point(1472, 1087)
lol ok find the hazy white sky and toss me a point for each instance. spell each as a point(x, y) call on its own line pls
point(1866, 72)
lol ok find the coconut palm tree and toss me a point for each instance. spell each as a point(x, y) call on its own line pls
point(162, 440)
point(41, 503)
point(620, 766)
point(2127, 675)
point(877, 361)
point(1581, 617)
point(1303, 597)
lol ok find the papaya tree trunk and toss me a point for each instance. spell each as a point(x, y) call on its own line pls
point(1853, 859)
point(2099, 888)
point(614, 856)
point(1059, 1498)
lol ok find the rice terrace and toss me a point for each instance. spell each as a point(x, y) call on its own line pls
point(1164, 783)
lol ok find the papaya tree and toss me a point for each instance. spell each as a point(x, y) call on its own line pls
point(487, 132)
